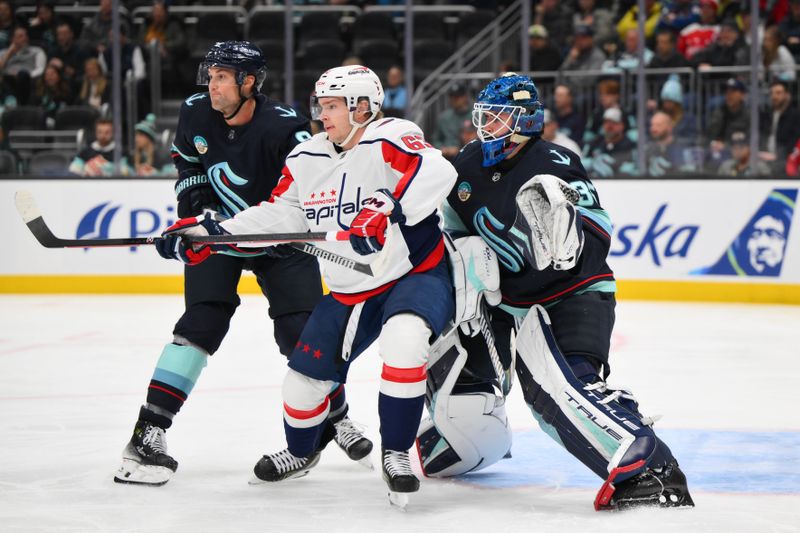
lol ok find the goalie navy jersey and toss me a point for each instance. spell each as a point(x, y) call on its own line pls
point(241, 163)
point(483, 203)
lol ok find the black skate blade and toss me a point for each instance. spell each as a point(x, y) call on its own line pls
point(127, 482)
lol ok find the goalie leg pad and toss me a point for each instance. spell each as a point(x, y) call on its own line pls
point(465, 432)
point(606, 434)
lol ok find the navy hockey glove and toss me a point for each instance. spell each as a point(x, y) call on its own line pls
point(368, 229)
point(172, 245)
point(193, 201)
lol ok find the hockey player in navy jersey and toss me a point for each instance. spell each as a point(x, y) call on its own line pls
point(229, 149)
point(532, 204)
point(378, 179)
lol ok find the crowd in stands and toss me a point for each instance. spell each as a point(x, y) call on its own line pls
point(56, 61)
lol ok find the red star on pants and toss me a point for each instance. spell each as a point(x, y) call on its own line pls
point(306, 348)
point(317, 354)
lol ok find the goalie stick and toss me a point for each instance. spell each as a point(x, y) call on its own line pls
point(29, 211)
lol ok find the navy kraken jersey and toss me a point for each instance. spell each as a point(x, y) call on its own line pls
point(241, 163)
point(483, 203)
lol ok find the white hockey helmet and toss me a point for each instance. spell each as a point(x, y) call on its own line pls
point(474, 434)
point(354, 83)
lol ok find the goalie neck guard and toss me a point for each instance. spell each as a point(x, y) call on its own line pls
point(507, 113)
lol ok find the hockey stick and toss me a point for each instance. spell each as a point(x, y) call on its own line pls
point(29, 211)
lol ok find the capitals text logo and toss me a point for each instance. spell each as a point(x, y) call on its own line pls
point(759, 249)
point(97, 223)
point(326, 204)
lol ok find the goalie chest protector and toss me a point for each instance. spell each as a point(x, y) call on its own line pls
point(484, 199)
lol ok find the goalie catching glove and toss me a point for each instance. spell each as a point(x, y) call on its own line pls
point(548, 229)
point(368, 229)
point(173, 245)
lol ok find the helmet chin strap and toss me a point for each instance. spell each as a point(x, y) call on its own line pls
point(242, 100)
point(354, 129)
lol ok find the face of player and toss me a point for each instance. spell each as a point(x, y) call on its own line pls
point(223, 90)
point(766, 243)
point(335, 118)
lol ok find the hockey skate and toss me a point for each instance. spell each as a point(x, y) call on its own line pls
point(283, 465)
point(144, 459)
point(655, 487)
point(352, 441)
point(398, 476)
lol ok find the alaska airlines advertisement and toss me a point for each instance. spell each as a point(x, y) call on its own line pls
point(680, 230)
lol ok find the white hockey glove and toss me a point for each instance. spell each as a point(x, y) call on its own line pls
point(476, 274)
point(548, 229)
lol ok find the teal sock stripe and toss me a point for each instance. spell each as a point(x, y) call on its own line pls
point(180, 366)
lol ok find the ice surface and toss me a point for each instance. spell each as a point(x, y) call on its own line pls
point(74, 369)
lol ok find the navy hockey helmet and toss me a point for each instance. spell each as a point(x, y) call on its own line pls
point(508, 112)
point(243, 57)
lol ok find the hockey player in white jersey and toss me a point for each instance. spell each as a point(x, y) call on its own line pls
point(378, 179)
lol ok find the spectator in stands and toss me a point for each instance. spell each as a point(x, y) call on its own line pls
point(739, 164)
point(630, 20)
point(544, 56)
point(790, 28)
point(677, 15)
point(149, 158)
point(778, 61)
point(95, 34)
point(70, 52)
point(780, 125)
point(744, 19)
point(41, 28)
point(131, 56)
point(684, 123)
point(600, 19)
point(697, 36)
point(570, 122)
point(556, 17)
point(168, 32)
point(551, 133)
point(666, 53)
point(395, 96)
point(609, 97)
point(7, 23)
point(352, 61)
point(731, 116)
point(583, 55)
point(612, 154)
point(52, 92)
point(628, 58)
point(98, 158)
point(95, 91)
point(21, 64)
point(448, 128)
point(665, 153)
point(728, 50)
point(793, 161)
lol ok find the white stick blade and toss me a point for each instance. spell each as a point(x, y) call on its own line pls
point(26, 206)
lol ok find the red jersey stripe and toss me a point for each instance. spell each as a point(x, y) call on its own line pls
point(406, 163)
point(283, 185)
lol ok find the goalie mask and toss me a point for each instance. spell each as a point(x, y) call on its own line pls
point(353, 83)
point(507, 113)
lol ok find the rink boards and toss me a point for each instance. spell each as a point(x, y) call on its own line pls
point(694, 240)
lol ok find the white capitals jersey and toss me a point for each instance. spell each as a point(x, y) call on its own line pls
point(323, 190)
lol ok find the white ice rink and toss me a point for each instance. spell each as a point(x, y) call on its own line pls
point(74, 370)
